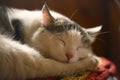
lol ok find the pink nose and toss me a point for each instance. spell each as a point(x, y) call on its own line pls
point(69, 56)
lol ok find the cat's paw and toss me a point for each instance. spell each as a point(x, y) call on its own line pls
point(92, 64)
point(88, 64)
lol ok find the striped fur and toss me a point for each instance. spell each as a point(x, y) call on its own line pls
point(5, 25)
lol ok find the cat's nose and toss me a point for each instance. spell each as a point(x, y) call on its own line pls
point(69, 56)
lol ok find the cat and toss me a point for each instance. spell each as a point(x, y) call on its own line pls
point(43, 43)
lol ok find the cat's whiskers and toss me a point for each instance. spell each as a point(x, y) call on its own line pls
point(101, 33)
point(99, 39)
point(73, 13)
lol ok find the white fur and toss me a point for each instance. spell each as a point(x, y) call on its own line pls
point(95, 29)
point(35, 37)
point(21, 61)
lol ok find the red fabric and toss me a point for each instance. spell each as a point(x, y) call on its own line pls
point(105, 69)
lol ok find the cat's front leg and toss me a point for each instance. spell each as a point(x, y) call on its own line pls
point(17, 61)
point(51, 67)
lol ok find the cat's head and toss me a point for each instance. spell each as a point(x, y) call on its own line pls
point(62, 39)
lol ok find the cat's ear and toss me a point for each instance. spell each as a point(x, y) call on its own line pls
point(46, 16)
point(93, 32)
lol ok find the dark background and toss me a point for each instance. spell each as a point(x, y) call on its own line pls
point(89, 13)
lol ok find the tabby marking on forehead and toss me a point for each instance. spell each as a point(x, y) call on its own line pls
point(62, 25)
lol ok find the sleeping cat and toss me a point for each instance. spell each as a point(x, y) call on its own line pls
point(43, 43)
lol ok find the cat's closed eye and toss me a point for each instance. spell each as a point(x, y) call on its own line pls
point(62, 41)
point(78, 48)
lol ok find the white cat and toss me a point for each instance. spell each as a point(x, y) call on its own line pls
point(43, 43)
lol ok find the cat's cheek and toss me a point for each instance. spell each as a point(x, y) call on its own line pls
point(83, 53)
point(58, 54)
